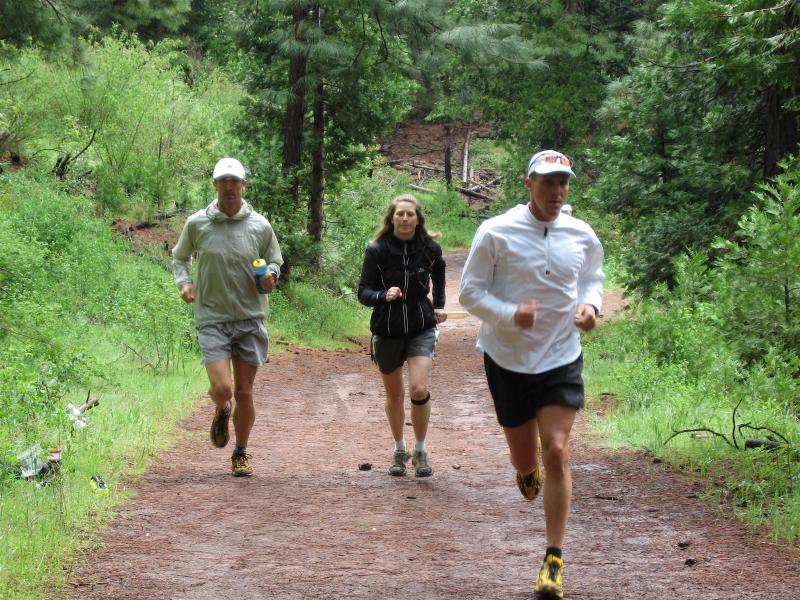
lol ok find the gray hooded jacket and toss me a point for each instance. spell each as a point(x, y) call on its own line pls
point(226, 247)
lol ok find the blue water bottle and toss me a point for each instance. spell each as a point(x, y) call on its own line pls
point(260, 272)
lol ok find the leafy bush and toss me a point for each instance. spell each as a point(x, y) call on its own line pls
point(721, 344)
point(758, 280)
point(120, 121)
point(61, 268)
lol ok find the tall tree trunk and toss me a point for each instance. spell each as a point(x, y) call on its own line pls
point(782, 136)
point(316, 213)
point(295, 107)
point(574, 7)
point(448, 158)
point(465, 157)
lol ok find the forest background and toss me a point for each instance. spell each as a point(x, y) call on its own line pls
point(682, 118)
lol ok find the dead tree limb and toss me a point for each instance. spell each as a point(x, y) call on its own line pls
point(421, 165)
point(772, 431)
point(736, 431)
point(476, 185)
point(172, 213)
point(90, 403)
point(473, 194)
point(62, 164)
point(706, 429)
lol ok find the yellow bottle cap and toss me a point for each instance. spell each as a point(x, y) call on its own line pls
point(259, 263)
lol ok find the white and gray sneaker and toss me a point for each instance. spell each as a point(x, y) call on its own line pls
point(399, 463)
point(422, 468)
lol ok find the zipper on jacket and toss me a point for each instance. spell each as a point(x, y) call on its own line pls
point(389, 319)
point(405, 287)
point(546, 252)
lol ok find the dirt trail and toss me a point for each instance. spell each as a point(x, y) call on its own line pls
point(310, 524)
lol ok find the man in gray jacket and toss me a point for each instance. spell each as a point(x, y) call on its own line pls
point(228, 235)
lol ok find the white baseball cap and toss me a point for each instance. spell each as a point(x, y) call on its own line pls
point(229, 167)
point(550, 161)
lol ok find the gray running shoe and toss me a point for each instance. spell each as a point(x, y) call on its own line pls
point(399, 463)
point(422, 467)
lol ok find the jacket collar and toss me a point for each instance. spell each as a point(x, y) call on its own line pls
point(215, 214)
point(398, 246)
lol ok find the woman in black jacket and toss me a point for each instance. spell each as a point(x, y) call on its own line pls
point(399, 266)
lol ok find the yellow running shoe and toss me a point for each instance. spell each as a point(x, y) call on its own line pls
point(530, 484)
point(240, 465)
point(550, 583)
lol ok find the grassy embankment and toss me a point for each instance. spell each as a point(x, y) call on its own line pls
point(661, 370)
point(82, 312)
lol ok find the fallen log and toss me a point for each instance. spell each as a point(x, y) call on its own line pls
point(476, 185)
point(472, 194)
point(428, 167)
point(419, 188)
point(172, 213)
point(768, 444)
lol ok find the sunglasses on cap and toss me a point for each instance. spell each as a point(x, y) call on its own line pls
point(562, 159)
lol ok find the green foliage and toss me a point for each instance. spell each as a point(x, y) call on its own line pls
point(724, 337)
point(759, 283)
point(708, 107)
point(121, 121)
point(79, 311)
point(695, 382)
point(55, 24)
point(45, 24)
point(753, 42)
point(554, 107)
point(355, 213)
point(23, 114)
point(314, 317)
point(54, 241)
point(45, 529)
point(352, 72)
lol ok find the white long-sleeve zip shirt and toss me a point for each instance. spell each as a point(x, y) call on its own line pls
point(515, 259)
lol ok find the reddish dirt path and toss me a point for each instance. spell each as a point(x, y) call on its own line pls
point(310, 524)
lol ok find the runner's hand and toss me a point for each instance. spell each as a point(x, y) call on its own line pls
point(585, 318)
point(269, 281)
point(525, 317)
point(393, 293)
point(187, 293)
point(441, 315)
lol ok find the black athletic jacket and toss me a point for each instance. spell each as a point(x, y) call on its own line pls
point(411, 266)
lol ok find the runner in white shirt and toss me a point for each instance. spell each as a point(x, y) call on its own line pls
point(534, 277)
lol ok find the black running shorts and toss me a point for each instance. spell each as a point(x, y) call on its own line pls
point(517, 396)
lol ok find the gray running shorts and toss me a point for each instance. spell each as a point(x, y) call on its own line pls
point(246, 340)
point(389, 353)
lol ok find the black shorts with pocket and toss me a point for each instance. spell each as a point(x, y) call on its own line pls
point(517, 396)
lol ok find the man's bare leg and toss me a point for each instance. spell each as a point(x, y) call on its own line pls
point(555, 424)
point(221, 383)
point(244, 411)
point(523, 445)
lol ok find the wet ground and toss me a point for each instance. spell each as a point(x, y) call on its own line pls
point(311, 524)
